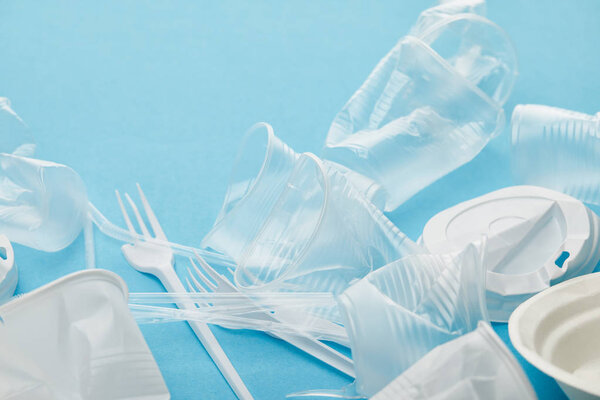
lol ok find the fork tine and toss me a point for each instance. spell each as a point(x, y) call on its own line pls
point(125, 215)
point(196, 286)
point(158, 232)
point(192, 288)
point(204, 279)
point(138, 217)
point(188, 285)
point(207, 269)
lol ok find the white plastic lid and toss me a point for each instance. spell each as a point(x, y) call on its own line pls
point(536, 237)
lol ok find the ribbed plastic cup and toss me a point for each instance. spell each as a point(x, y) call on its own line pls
point(262, 167)
point(322, 235)
point(476, 366)
point(558, 149)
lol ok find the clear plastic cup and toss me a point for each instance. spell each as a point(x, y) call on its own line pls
point(263, 165)
point(322, 235)
point(430, 105)
point(558, 149)
point(414, 120)
point(43, 205)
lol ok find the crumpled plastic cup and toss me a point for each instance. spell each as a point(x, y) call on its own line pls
point(43, 205)
point(397, 314)
point(321, 235)
point(476, 366)
point(429, 106)
point(76, 339)
point(558, 149)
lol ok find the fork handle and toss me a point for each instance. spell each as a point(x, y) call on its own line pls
point(171, 282)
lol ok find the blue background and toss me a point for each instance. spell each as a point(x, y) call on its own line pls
point(161, 92)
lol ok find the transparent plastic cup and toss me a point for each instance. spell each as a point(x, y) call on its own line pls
point(445, 10)
point(477, 49)
point(262, 167)
point(322, 235)
point(476, 366)
point(43, 205)
point(558, 149)
point(397, 314)
point(429, 106)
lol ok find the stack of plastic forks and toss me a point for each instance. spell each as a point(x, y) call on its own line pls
point(158, 260)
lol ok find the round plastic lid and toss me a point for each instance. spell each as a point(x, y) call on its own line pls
point(535, 237)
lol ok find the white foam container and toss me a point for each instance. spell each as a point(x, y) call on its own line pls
point(558, 332)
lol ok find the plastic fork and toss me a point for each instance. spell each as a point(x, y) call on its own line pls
point(220, 284)
point(123, 235)
point(146, 256)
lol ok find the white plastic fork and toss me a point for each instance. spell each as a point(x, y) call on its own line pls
point(158, 260)
point(220, 284)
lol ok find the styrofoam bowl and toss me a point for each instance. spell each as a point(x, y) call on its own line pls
point(558, 331)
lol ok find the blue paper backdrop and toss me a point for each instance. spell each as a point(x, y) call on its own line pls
point(161, 92)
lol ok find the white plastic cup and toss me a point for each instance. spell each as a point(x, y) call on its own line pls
point(558, 149)
point(75, 338)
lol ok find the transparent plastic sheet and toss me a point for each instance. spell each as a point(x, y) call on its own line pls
point(431, 104)
point(321, 236)
point(476, 366)
point(568, 138)
point(52, 347)
point(397, 314)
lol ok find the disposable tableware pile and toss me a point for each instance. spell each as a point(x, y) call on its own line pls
point(302, 248)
